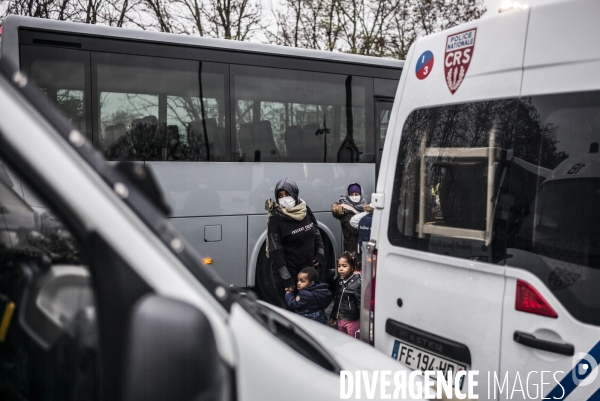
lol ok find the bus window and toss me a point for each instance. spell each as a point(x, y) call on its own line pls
point(153, 108)
point(284, 115)
point(62, 74)
point(384, 109)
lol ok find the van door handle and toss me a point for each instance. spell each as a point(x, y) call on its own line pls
point(545, 345)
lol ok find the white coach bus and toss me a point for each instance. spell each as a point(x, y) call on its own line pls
point(219, 123)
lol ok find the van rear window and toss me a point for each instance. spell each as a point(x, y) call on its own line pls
point(513, 181)
point(451, 167)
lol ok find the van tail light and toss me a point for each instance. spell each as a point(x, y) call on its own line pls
point(367, 312)
point(530, 301)
point(372, 317)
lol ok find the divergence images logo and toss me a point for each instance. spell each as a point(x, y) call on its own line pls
point(584, 371)
point(459, 52)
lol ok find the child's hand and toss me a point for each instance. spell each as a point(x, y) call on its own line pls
point(332, 322)
point(289, 289)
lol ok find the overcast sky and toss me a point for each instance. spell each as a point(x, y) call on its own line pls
point(268, 5)
point(494, 5)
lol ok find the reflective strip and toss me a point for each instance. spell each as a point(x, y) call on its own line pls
point(595, 396)
point(8, 312)
point(569, 384)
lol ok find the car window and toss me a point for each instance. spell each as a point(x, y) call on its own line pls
point(48, 334)
point(556, 198)
point(450, 172)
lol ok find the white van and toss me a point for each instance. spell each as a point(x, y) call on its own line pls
point(486, 233)
point(100, 299)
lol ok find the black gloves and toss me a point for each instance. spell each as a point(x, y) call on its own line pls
point(288, 282)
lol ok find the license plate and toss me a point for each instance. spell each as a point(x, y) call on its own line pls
point(418, 359)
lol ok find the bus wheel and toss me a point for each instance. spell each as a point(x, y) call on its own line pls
point(327, 273)
point(265, 285)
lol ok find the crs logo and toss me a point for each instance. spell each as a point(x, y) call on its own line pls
point(457, 58)
point(584, 370)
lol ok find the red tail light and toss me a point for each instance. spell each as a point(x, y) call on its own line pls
point(373, 294)
point(529, 300)
point(372, 317)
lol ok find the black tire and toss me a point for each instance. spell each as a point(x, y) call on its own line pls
point(265, 284)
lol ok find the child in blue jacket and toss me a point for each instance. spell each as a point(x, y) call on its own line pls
point(312, 298)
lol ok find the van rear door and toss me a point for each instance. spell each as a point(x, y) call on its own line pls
point(439, 284)
point(554, 247)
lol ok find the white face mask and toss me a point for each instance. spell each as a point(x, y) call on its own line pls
point(287, 202)
point(355, 198)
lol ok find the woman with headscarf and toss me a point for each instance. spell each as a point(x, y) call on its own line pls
point(349, 205)
point(293, 237)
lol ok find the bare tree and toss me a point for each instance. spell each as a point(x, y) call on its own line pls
point(194, 15)
point(366, 24)
point(91, 11)
point(119, 13)
point(234, 19)
point(417, 18)
point(370, 27)
point(311, 24)
point(162, 13)
point(289, 23)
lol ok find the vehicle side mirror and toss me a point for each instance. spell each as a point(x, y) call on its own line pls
point(172, 353)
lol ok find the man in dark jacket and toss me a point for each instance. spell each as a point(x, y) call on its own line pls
point(293, 237)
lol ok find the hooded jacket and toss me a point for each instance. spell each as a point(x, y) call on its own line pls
point(293, 244)
point(344, 210)
point(313, 298)
point(347, 299)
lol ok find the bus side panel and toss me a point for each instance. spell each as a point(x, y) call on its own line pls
point(213, 188)
point(332, 228)
point(221, 238)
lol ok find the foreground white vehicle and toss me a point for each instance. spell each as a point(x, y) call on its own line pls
point(101, 299)
point(487, 223)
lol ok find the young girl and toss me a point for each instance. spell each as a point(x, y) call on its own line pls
point(346, 310)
